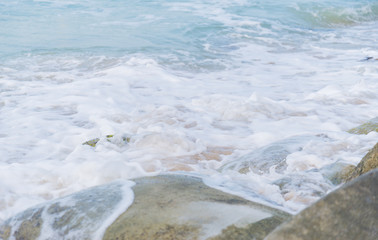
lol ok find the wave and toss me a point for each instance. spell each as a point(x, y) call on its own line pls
point(325, 15)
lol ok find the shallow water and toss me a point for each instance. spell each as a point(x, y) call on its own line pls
point(195, 85)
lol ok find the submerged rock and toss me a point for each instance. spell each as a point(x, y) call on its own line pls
point(78, 216)
point(369, 162)
point(183, 207)
point(340, 172)
point(367, 127)
point(165, 207)
point(351, 212)
point(29, 227)
point(303, 187)
point(337, 172)
point(274, 155)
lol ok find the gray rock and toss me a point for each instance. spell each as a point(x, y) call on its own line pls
point(349, 213)
point(183, 207)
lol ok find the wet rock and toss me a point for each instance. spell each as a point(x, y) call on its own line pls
point(77, 216)
point(367, 127)
point(256, 230)
point(30, 225)
point(183, 207)
point(165, 207)
point(274, 155)
point(369, 162)
point(5, 231)
point(337, 172)
point(351, 212)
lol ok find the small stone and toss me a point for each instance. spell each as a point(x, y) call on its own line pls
point(92, 142)
point(109, 138)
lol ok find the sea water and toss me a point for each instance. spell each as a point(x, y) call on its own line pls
point(198, 87)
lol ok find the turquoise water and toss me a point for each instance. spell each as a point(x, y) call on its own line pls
point(197, 86)
point(179, 28)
